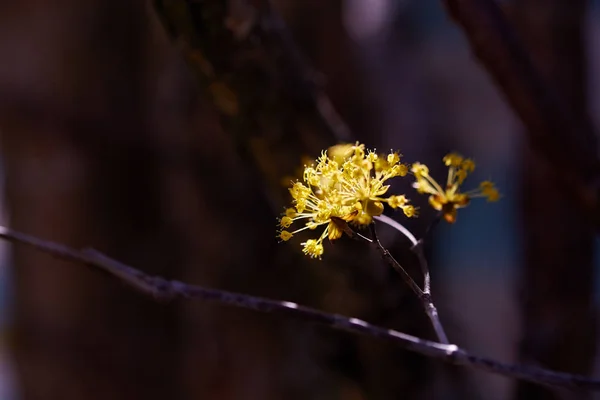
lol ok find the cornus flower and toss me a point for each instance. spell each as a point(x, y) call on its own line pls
point(348, 184)
point(448, 198)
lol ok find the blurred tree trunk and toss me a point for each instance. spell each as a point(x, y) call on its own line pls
point(557, 277)
point(107, 144)
point(81, 169)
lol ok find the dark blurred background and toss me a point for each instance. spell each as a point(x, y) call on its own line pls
point(109, 140)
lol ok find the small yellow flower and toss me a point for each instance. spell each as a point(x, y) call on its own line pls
point(402, 202)
point(410, 211)
point(285, 236)
point(340, 152)
point(419, 170)
point(449, 199)
point(453, 160)
point(285, 222)
point(489, 191)
point(313, 248)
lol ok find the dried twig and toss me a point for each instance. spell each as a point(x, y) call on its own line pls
point(165, 290)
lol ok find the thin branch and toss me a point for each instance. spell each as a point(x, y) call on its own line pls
point(419, 249)
point(165, 290)
point(547, 119)
point(419, 252)
point(424, 294)
point(427, 297)
point(387, 256)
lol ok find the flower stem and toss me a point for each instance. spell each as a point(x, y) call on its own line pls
point(395, 264)
point(424, 294)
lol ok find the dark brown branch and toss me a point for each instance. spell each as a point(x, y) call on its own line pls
point(165, 290)
point(547, 119)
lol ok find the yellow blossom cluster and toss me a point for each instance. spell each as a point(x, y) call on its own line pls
point(348, 184)
point(448, 198)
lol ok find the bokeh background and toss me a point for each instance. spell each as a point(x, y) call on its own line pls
point(110, 139)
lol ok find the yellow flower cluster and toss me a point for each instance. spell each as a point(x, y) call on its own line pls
point(448, 199)
point(348, 184)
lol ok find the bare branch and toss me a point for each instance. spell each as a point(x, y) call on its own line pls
point(427, 298)
point(424, 294)
point(418, 249)
point(165, 290)
point(387, 256)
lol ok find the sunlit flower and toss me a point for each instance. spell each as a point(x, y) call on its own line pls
point(346, 183)
point(449, 199)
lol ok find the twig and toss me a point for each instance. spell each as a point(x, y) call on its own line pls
point(165, 290)
point(395, 264)
point(427, 297)
point(419, 250)
point(424, 294)
point(387, 256)
point(417, 247)
point(494, 42)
